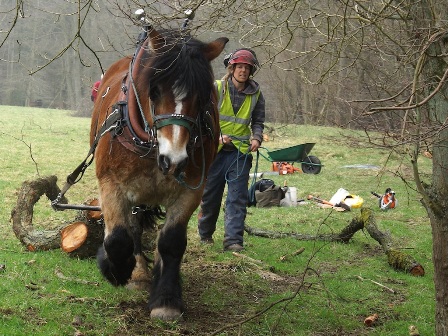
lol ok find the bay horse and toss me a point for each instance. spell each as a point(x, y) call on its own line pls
point(155, 126)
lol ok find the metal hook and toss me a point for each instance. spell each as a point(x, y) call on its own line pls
point(189, 16)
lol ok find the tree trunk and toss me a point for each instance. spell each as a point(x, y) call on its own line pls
point(435, 196)
point(429, 16)
point(440, 253)
point(436, 204)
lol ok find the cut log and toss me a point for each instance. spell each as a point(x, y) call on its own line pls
point(93, 214)
point(73, 236)
point(80, 239)
point(402, 261)
point(84, 245)
point(396, 258)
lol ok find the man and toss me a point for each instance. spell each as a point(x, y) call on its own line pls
point(242, 113)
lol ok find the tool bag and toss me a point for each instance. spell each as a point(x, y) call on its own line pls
point(270, 197)
point(259, 186)
point(265, 193)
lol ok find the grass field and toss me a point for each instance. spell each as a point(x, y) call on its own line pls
point(318, 292)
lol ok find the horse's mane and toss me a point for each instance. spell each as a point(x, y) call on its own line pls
point(181, 65)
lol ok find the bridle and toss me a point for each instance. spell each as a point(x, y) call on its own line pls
point(124, 130)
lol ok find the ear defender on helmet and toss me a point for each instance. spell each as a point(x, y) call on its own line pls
point(243, 55)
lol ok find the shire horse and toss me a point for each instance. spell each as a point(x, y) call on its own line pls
point(155, 127)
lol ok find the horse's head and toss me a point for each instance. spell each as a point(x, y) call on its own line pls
point(178, 79)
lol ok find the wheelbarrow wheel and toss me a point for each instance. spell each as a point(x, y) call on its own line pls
point(311, 165)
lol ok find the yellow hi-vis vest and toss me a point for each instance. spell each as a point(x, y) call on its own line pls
point(236, 125)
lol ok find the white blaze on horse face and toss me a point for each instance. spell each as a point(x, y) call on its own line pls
point(175, 147)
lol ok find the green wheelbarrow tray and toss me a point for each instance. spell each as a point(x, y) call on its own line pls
point(298, 153)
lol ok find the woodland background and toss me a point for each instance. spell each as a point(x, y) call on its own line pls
point(306, 77)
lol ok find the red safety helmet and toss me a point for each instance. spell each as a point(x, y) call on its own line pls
point(246, 56)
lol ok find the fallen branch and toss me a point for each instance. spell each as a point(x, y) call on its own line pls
point(22, 215)
point(344, 236)
point(396, 258)
point(252, 260)
point(298, 236)
point(285, 257)
point(393, 291)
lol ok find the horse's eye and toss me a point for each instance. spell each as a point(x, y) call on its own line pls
point(154, 93)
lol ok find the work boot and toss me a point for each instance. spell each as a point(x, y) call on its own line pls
point(234, 248)
point(207, 241)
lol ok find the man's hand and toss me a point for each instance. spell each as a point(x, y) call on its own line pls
point(254, 145)
point(225, 139)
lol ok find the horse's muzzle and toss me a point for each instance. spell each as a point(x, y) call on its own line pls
point(167, 167)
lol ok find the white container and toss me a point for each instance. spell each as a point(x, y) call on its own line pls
point(340, 195)
point(290, 199)
point(257, 175)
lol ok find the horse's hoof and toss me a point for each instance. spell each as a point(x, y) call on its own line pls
point(140, 285)
point(141, 277)
point(167, 314)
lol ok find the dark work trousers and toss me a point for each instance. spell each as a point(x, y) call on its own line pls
point(231, 167)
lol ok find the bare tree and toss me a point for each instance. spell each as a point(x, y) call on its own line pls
point(379, 65)
point(399, 50)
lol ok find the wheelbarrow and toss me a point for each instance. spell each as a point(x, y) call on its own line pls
point(299, 153)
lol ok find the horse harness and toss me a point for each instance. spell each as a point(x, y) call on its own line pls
point(119, 124)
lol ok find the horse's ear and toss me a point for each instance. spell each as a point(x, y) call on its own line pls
point(213, 49)
point(156, 41)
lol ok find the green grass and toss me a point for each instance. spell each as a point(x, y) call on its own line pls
point(327, 295)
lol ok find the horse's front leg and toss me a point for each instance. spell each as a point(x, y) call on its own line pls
point(120, 257)
point(165, 301)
